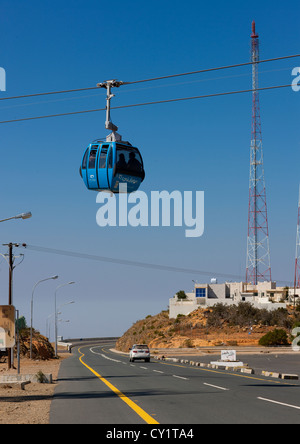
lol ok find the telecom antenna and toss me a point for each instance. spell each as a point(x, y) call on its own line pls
point(297, 263)
point(258, 249)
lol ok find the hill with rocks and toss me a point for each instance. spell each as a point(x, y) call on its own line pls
point(234, 325)
point(41, 347)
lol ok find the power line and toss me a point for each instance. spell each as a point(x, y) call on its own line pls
point(147, 103)
point(211, 69)
point(49, 93)
point(218, 68)
point(125, 262)
point(147, 88)
point(52, 115)
point(129, 263)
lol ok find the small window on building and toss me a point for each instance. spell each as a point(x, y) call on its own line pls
point(200, 292)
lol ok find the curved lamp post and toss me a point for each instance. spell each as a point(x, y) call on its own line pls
point(31, 308)
point(19, 216)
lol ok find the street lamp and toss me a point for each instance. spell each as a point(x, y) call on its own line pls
point(48, 324)
point(31, 309)
point(19, 216)
point(52, 314)
point(57, 288)
point(27, 215)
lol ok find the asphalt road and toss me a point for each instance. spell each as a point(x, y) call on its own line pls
point(97, 386)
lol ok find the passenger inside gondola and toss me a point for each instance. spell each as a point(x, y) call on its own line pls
point(122, 164)
point(134, 164)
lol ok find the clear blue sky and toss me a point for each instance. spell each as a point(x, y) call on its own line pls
point(186, 146)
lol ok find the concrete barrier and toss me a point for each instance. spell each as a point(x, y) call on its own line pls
point(286, 376)
point(271, 374)
point(14, 385)
point(67, 345)
point(223, 366)
point(248, 371)
point(11, 379)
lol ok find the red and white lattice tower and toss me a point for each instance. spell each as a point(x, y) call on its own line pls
point(297, 264)
point(258, 249)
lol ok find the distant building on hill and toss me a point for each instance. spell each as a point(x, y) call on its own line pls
point(264, 295)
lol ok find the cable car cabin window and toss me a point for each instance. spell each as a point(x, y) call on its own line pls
point(102, 158)
point(92, 159)
point(110, 158)
point(84, 161)
point(129, 161)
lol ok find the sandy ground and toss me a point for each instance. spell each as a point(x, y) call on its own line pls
point(32, 405)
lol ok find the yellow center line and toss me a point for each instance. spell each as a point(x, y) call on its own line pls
point(145, 416)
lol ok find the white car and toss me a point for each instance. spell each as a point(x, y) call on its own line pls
point(139, 351)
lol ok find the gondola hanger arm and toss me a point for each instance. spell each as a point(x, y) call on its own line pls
point(108, 84)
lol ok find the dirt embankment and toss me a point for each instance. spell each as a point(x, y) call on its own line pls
point(241, 326)
point(31, 405)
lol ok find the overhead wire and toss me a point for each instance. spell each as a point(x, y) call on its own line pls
point(48, 93)
point(127, 262)
point(123, 261)
point(147, 103)
point(211, 69)
point(130, 91)
point(218, 68)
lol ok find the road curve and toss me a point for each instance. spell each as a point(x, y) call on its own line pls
point(98, 386)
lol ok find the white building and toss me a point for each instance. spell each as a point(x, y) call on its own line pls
point(264, 295)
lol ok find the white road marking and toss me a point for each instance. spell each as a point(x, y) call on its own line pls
point(280, 403)
point(180, 377)
point(145, 368)
point(103, 356)
point(157, 371)
point(215, 386)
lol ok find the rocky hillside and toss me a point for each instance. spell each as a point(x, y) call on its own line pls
point(219, 325)
point(41, 347)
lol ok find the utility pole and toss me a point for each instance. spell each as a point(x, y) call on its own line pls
point(10, 279)
point(258, 250)
point(10, 286)
point(10, 282)
point(11, 258)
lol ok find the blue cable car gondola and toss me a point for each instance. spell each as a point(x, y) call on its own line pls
point(107, 165)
